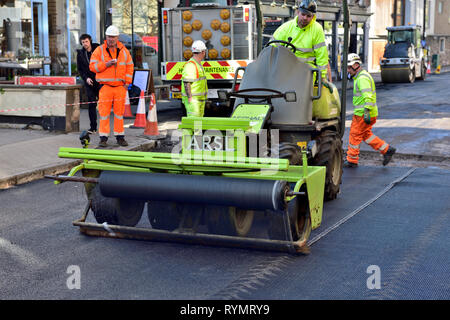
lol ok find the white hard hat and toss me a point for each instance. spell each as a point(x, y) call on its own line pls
point(198, 46)
point(352, 59)
point(112, 31)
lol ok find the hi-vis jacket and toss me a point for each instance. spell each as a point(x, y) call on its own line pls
point(309, 41)
point(195, 74)
point(364, 95)
point(118, 75)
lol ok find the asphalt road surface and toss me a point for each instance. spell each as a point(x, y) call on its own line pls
point(393, 219)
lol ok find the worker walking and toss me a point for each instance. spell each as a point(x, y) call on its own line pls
point(113, 65)
point(365, 115)
point(194, 88)
point(307, 35)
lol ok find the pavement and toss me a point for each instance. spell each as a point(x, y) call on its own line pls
point(30, 154)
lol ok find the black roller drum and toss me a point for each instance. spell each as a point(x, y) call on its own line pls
point(210, 190)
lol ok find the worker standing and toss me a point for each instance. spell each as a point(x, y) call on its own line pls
point(91, 86)
point(307, 35)
point(194, 88)
point(365, 115)
point(113, 65)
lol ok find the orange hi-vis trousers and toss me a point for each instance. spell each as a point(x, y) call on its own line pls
point(111, 97)
point(359, 132)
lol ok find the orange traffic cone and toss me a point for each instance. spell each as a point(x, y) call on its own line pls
point(127, 113)
point(428, 68)
point(139, 122)
point(151, 128)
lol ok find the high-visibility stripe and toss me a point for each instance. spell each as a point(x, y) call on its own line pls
point(194, 80)
point(319, 45)
point(353, 146)
point(370, 139)
point(383, 146)
point(104, 118)
point(119, 133)
point(118, 117)
point(322, 67)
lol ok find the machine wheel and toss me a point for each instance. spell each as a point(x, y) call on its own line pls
point(299, 220)
point(163, 215)
point(412, 75)
point(289, 150)
point(330, 155)
point(423, 73)
point(123, 212)
point(229, 221)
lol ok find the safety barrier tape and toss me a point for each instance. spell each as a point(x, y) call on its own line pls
point(63, 105)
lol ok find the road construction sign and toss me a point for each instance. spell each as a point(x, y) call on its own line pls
point(215, 70)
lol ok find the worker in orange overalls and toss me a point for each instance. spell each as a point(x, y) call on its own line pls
point(113, 65)
point(364, 115)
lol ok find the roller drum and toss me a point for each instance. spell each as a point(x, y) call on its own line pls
point(249, 194)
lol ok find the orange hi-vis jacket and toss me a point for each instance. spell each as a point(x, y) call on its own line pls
point(118, 75)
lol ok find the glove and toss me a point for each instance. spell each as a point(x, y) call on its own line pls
point(366, 115)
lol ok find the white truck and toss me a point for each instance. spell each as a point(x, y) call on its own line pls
point(230, 35)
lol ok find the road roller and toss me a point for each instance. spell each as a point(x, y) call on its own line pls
point(257, 179)
point(403, 59)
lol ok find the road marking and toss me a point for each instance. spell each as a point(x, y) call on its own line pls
point(25, 257)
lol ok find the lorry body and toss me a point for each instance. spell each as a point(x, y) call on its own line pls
point(231, 39)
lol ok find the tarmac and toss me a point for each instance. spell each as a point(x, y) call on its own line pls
point(30, 154)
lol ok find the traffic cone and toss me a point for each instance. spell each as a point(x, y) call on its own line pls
point(438, 69)
point(428, 68)
point(127, 114)
point(139, 122)
point(151, 128)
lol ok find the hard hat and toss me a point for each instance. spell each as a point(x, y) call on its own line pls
point(308, 6)
point(198, 46)
point(112, 31)
point(352, 59)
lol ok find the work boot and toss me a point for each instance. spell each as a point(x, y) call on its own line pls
point(388, 155)
point(348, 164)
point(103, 142)
point(122, 142)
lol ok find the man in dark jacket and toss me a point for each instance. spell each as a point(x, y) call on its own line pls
point(92, 86)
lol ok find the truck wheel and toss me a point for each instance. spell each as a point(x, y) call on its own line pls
point(412, 75)
point(122, 212)
point(163, 215)
point(229, 221)
point(299, 219)
point(330, 155)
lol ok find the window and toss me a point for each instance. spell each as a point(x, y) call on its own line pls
point(441, 45)
point(441, 4)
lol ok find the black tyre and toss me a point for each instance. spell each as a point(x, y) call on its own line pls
point(123, 212)
point(229, 221)
point(290, 151)
point(330, 155)
point(164, 215)
point(299, 220)
point(423, 73)
point(412, 75)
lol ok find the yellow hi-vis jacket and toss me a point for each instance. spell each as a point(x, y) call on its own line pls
point(118, 75)
point(194, 73)
point(364, 95)
point(309, 41)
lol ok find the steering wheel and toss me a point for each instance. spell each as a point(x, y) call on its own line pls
point(283, 42)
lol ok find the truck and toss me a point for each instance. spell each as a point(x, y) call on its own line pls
point(404, 59)
point(230, 34)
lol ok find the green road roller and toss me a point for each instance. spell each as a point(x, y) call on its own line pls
point(256, 179)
